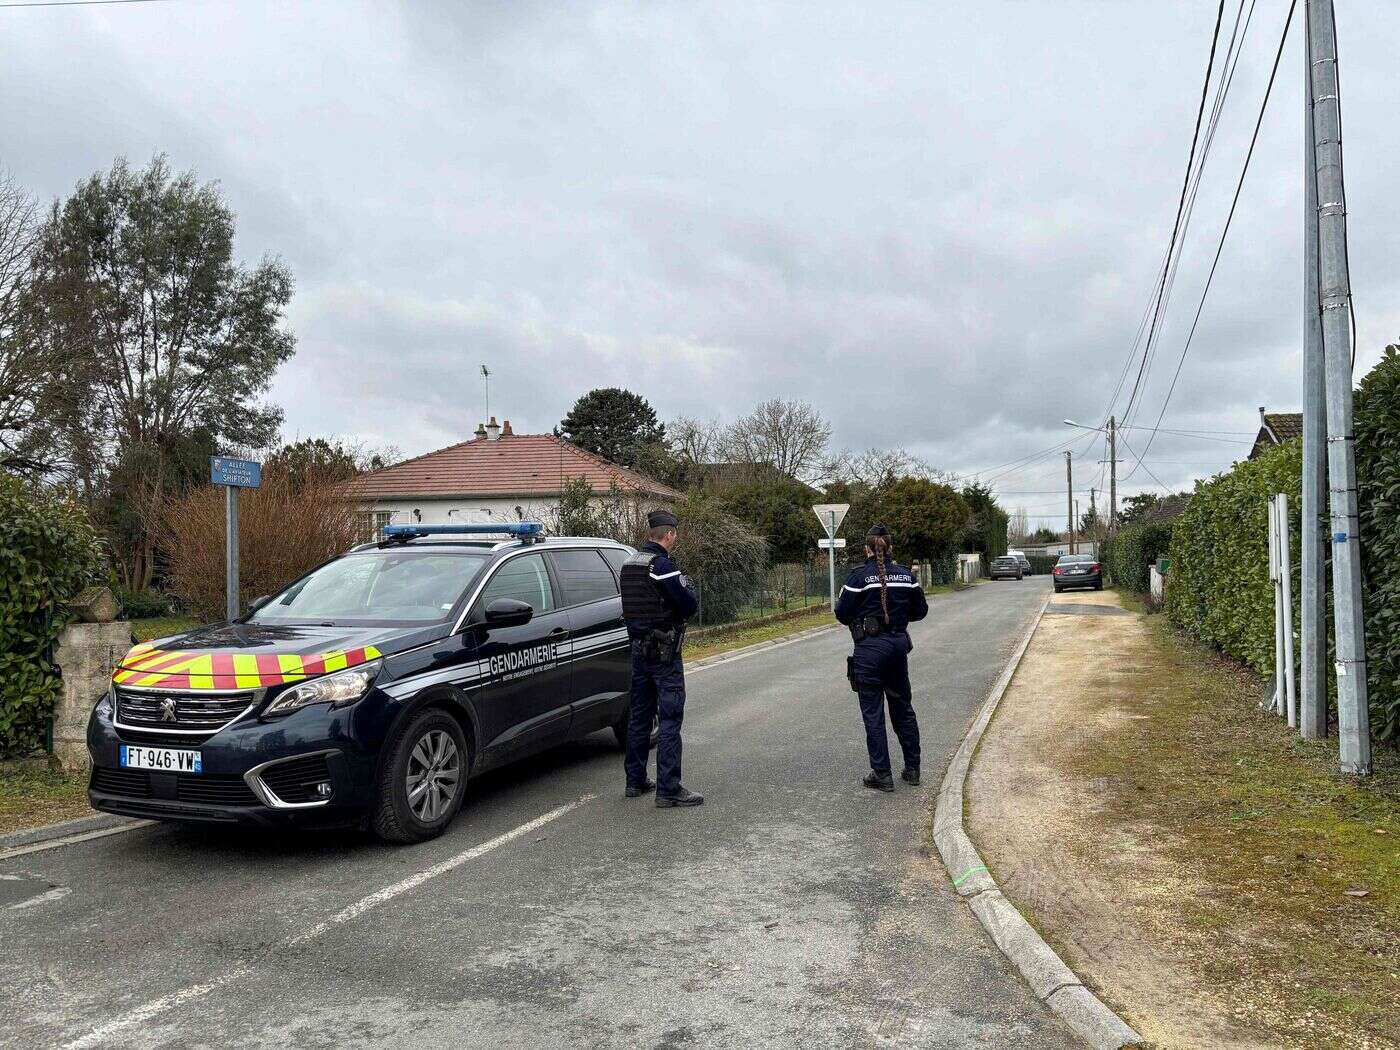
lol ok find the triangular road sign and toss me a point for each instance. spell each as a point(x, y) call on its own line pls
point(824, 512)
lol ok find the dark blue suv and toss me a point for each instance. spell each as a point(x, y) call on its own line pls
point(371, 689)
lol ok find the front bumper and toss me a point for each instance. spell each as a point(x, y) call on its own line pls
point(255, 773)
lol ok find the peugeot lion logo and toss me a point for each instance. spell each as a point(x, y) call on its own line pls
point(167, 710)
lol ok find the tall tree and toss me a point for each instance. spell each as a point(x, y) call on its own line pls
point(135, 276)
point(316, 460)
point(616, 424)
point(788, 436)
point(32, 372)
point(926, 517)
point(987, 534)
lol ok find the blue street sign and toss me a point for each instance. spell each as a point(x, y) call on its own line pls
point(237, 473)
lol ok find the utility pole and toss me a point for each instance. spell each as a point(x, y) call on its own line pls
point(1069, 498)
point(1313, 687)
point(1093, 514)
point(1334, 284)
point(1112, 475)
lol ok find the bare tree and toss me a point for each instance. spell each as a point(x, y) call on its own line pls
point(878, 467)
point(695, 441)
point(1018, 529)
point(30, 369)
point(788, 436)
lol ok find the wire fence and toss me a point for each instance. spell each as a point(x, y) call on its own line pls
point(727, 598)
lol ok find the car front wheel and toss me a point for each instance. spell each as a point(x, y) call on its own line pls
point(423, 779)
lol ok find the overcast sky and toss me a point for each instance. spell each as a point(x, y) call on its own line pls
point(938, 223)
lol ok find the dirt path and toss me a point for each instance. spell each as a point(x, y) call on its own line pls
point(1076, 836)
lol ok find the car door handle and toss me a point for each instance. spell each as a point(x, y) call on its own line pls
point(557, 631)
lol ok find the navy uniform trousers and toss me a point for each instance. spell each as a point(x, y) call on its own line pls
point(658, 695)
point(882, 675)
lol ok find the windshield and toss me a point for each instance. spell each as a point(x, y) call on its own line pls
point(397, 586)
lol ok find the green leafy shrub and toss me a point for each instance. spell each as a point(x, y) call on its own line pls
point(1377, 422)
point(1128, 554)
point(49, 552)
point(142, 605)
point(1219, 589)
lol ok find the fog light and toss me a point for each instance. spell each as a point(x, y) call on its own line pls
point(323, 789)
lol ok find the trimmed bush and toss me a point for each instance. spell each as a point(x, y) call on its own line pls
point(1128, 554)
point(1219, 588)
point(1377, 415)
point(49, 551)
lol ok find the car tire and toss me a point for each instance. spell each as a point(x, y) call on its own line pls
point(426, 751)
point(1058, 589)
point(619, 729)
point(1098, 586)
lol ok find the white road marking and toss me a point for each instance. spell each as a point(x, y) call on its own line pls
point(68, 840)
point(762, 647)
point(155, 1007)
point(55, 894)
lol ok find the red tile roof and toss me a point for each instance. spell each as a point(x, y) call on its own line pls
point(514, 465)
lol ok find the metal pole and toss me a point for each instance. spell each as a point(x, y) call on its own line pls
point(231, 603)
point(1314, 672)
point(1069, 498)
point(1334, 283)
point(1285, 558)
point(831, 554)
point(1112, 475)
point(1277, 704)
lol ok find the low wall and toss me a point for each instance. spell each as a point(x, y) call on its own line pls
point(86, 654)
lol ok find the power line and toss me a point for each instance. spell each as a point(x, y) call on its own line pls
point(74, 3)
point(1180, 204)
point(1229, 218)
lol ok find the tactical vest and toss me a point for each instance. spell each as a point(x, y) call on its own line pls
point(641, 598)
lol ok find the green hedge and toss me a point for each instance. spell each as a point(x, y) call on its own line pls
point(1377, 423)
point(1219, 589)
point(1128, 554)
point(49, 552)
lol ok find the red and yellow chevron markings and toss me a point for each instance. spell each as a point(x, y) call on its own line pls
point(146, 666)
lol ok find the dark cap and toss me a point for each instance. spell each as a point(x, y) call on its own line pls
point(878, 530)
point(660, 519)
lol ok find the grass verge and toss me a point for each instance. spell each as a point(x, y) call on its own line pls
point(31, 797)
point(1296, 918)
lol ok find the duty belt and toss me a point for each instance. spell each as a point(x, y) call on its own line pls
point(868, 627)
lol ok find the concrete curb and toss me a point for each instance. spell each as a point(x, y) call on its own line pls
point(63, 829)
point(1053, 983)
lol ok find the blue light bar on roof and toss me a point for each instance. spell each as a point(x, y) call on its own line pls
point(522, 529)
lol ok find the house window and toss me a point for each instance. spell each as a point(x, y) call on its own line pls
point(370, 525)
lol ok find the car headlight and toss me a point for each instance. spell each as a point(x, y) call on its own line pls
point(104, 704)
point(339, 690)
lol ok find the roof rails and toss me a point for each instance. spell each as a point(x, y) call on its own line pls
point(524, 531)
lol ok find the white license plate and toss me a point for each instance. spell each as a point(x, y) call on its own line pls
point(165, 759)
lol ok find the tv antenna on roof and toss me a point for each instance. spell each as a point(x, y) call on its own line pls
point(486, 375)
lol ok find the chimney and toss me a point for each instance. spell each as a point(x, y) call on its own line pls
point(493, 430)
point(1262, 423)
point(506, 431)
point(480, 432)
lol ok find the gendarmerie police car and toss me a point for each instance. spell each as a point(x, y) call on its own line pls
point(372, 688)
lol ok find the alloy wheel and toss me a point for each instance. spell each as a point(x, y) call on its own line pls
point(434, 774)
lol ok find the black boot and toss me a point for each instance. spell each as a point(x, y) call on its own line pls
point(638, 790)
point(910, 775)
point(879, 781)
point(683, 797)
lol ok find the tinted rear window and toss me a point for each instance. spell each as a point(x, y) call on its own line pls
point(584, 576)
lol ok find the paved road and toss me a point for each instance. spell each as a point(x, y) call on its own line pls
point(794, 908)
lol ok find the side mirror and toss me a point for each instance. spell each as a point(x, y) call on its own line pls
point(508, 612)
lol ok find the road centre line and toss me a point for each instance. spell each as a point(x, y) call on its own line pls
point(141, 1014)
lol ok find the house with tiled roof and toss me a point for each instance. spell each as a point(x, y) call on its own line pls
point(496, 476)
point(1275, 428)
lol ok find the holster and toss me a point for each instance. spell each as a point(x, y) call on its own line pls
point(851, 673)
point(867, 627)
point(664, 646)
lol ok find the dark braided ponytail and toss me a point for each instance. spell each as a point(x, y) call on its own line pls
point(880, 545)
